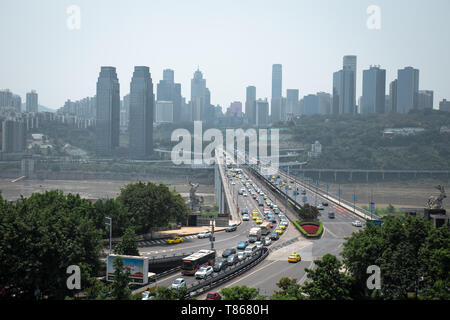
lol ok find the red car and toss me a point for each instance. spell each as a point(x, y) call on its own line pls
point(213, 296)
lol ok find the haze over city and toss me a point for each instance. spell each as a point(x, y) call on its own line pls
point(234, 43)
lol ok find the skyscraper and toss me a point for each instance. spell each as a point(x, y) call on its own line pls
point(407, 89)
point(311, 104)
point(250, 104)
point(236, 109)
point(107, 111)
point(324, 102)
point(344, 100)
point(13, 136)
point(350, 62)
point(168, 90)
point(374, 91)
point(141, 113)
point(277, 76)
point(292, 106)
point(393, 96)
point(32, 101)
point(262, 113)
point(198, 96)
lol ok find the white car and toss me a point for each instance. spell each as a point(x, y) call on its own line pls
point(258, 244)
point(146, 295)
point(204, 234)
point(245, 194)
point(357, 223)
point(178, 283)
point(267, 241)
point(245, 217)
point(203, 272)
point(320, 207)
point(241, 255)
point(233, 183)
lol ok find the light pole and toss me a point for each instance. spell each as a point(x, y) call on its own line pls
point(110, 232)
point(212, 222)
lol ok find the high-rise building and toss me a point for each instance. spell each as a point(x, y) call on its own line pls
point(5, 98)
point(262, 113)
point(107, 111)
point(250, 104)
point(292, 106)
point(393, 96)
point(350, 62)
point(374, 91)
point(311, 104)
point(32, 101)
point(276, 102)
point(13, 136)
point(125, 111)
point(426, 99)
point(141, 113)
point(168, 90)
point(164, 111)
point(324, 102)
point(236, 109)
point(198, 96)
point(344, 100)
point(407, 89)
point(444, 105)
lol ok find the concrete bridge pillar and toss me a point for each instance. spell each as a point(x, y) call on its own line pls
point(335, 176)
point(351, 175)
point(367, 176)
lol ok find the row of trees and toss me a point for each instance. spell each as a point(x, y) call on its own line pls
point(44, 234)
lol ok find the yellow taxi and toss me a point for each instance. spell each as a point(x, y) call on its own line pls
point(174, 240)
point(295, 257)
point(255, 212)
point(279, 231)
point(255, 217)
point(283, 184)
point(290, 188)
point(281, 226)
point(259, 221)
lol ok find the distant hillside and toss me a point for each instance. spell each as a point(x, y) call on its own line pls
point(358, 142)
point(41, 108)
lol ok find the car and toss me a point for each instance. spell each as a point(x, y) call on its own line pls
point(241, 256)
point(227, 252)
point(259, 221)
point(147, 296)
point(276, 211)
point(204, 272)
point(284, 222)
point(204, 234)
point(233, 183)
point(213, 296)
point(232, 259)
point(265, 197)
point(320, 207)
point(255, 212)
point(357, 223)
point(273, 220)
point(258, 244)
point(274, 207)
point(255, 217)
point(231, 227)
point(331, 215)
point(304, 192)
point(174, 240)
point(178, 283)
point(244, 211)
point(245, 194)
point(279, 231)
point(242, 245)
point(281, 226)
point(325, 204)
point(295, 257)
point(245, 217)
point(274, 236)
point(219, 265)
point(267, 241)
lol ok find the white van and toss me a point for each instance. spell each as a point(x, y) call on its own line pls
point(250, 250)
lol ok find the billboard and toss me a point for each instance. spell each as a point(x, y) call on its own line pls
point(138, 267)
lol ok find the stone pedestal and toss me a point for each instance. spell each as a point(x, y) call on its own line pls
point(438, 217)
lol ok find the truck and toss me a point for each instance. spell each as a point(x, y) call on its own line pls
point(254, 234)
point(265, 228)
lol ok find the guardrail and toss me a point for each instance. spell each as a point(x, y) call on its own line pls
point(218, 278)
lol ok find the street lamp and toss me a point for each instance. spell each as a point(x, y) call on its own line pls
point(110, 231)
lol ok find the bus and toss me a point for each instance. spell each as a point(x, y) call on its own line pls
point(195, 261)
point(265, 228)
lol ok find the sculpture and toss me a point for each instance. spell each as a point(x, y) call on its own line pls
point(194, 199)
point(436, 202)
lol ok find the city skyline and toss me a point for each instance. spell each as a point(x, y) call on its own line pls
point(61, 69)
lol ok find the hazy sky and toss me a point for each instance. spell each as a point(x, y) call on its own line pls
point(235, 43)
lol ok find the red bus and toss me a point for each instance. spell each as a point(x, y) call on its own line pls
point(195, 261)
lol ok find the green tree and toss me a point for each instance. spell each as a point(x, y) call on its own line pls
point(290, 290)
point(128, 244)
point(120, 289)
point(239, 293)
point(153, 205)
point(328, 282)
point(308, 212)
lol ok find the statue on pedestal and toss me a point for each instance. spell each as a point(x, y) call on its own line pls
point(436, 202)
point(195, 201)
